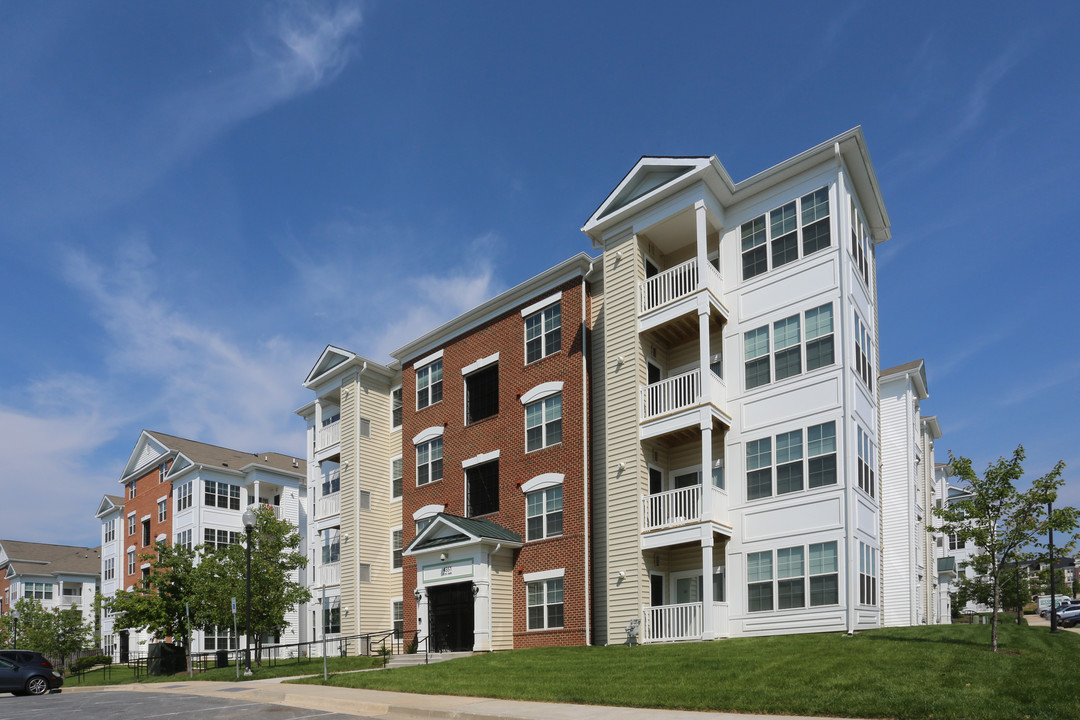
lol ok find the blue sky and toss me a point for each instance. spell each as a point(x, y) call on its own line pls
point(197, 197)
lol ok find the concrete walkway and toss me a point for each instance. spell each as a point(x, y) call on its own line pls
point(408, 706)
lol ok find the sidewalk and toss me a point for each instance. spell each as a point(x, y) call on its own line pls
point(408, 706)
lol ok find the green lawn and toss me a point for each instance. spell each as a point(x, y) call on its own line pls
point(121, 674)
point(941, 672)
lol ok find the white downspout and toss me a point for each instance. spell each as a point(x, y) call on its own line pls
point(585, 454)
point(844, 380)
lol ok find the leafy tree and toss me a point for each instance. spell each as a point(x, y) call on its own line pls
point(56, 633)
point(275, 558)
point(1042, 586)
point(1007, 526)
point(158, 603)
point(1011, 595)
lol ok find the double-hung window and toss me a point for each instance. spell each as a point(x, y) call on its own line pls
point(756, 348)
point(786, 356)
point(863, 352)
point(110, 530)
point(395, 408)
point(110, 568)
point(38, 591)
point(867, 574)
point(778, 235)
point(131, 490)
point(395, 478)
point(793, 577)
point(162, 509)
point(787, 347)
point(543, 333)
point(544, 513)
point(183, 539)
point(545, 604)
point(331, 545)
point(429, 384)
point(183, 497)
point(824, 574)
point(331, 482)
point(798, 465)
point(395, 549)
point(866, 461)
point(819, 337)
point(222, 495)
point(132, 523)
point(543, 423)
point(861, 248)
point(429, 461)
point(130, 562)
point(332, 615)
point(219, 538)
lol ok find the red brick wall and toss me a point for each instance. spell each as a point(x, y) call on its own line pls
point(506, 432)
point(4, 585)
point(148, 489)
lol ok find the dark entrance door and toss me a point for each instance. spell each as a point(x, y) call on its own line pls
point(450, 617)
point(124, 649)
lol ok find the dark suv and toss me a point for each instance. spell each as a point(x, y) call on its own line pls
point(25, 672)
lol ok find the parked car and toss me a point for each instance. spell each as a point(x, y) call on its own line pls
point(1069, 618)
point(24, 672)
point(1063, 605)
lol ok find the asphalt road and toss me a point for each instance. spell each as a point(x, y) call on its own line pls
point(120, 705)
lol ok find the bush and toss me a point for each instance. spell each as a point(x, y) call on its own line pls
point(89, 662)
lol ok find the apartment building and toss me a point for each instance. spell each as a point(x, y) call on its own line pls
point(677, 439)
point(57, 576)
point(910, 491)
point(187, 493)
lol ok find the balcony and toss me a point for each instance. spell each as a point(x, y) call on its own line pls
point(681, 623)
point(328, 506)
point(328, 436)
point(661, 294)
point(330, 574)
point(673, 404)
point(256, 507)
point(673, 508)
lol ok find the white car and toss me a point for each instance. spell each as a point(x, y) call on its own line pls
point(1069, 617)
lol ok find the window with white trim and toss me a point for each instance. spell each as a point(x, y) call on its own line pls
point(482, 394)
point(146, 532)
point(863, 352)
point(183, 539)
point(395, 478)
point(543, 423)
point(332, 615)
point(423, 523)
point(429, 384)
point(866, 460)
point(162, 509)
point(213, 539)
point(162, 469)
point(482, 489)
point(861, 247)
point(780, 238)
point(797, 466)
point(544, 513)
point(543, 333)
point(183, 497)
point(215, 638)
point(331, 482)
point(132, 523)
point(788, 348)
point(395, 549)
point(802, 573)
point(397, 613)
point(222, 495)
point(545, 604)
point(131, 490)
point(130, 562)
point(38, 590)
point(867, 574)
point(395, 408)
point(110, 568)
point(331, 545)
point(429, 461)
point(110, 530)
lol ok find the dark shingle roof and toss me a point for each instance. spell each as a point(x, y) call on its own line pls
point(30, 558)
point(214, 455)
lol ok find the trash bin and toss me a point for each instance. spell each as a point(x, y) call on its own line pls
point(222, 658)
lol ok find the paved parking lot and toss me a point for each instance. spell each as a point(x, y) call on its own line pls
point(120, 705)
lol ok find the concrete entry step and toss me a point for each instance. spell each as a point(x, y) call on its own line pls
point(418, 658)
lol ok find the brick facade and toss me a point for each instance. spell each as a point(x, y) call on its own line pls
point(149, 488)
point(505, 432)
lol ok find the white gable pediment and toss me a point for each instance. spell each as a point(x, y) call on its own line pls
point(105, 506)
point(331, 357)
point(648, 176)
point(147, 450)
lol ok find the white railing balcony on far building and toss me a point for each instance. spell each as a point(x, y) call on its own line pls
point(675, 623)
point(329, 505)
point(256, 507)
point(330, 574)
point(675, 283)
point(328, 435)
point(673, 508)
point(666, 396)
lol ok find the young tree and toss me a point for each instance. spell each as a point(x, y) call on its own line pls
point(56, 633)
point(1006, 525)
point(158, 603)
point(275, 558)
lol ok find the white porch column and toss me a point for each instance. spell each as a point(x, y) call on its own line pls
point(481, 615)
point(318, 424)
point(706, 467)
point(256, 498)
point(702, 242)
point(708, 632)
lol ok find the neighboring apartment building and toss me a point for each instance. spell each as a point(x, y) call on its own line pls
point(58, 576)
point(188, 493)
point(911, 571)
point(678, 436)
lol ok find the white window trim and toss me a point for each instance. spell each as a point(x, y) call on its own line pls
point(397, 388)
point(130, 548)
point(162, 498)
point(393, 569)
point(428, 511)
point(419, 364)
point(541, 391)
point(544, 575)
point(145, 518)
point(160, 538)
point(480, 364)
point(542, 482)
point(541, 304)
point(428, 435)
point(399, 497)
point(480, 459)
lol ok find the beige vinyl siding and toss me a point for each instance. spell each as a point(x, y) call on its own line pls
point(626, 595)
point(684, 557)
point(350, 622)
point(373, 532)
point(598, 525)
point(502, 601)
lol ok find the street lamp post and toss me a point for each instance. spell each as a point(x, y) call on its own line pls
point(1053, 585)
point(15, 625)
point(249, 524)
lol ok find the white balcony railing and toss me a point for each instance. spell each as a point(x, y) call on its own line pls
point(677, 393)
point(669, 285)
point(671, 508)
point(329, 435)
point(259, 506)
point(669, 623)
point(329, 505)
point(330, 574)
